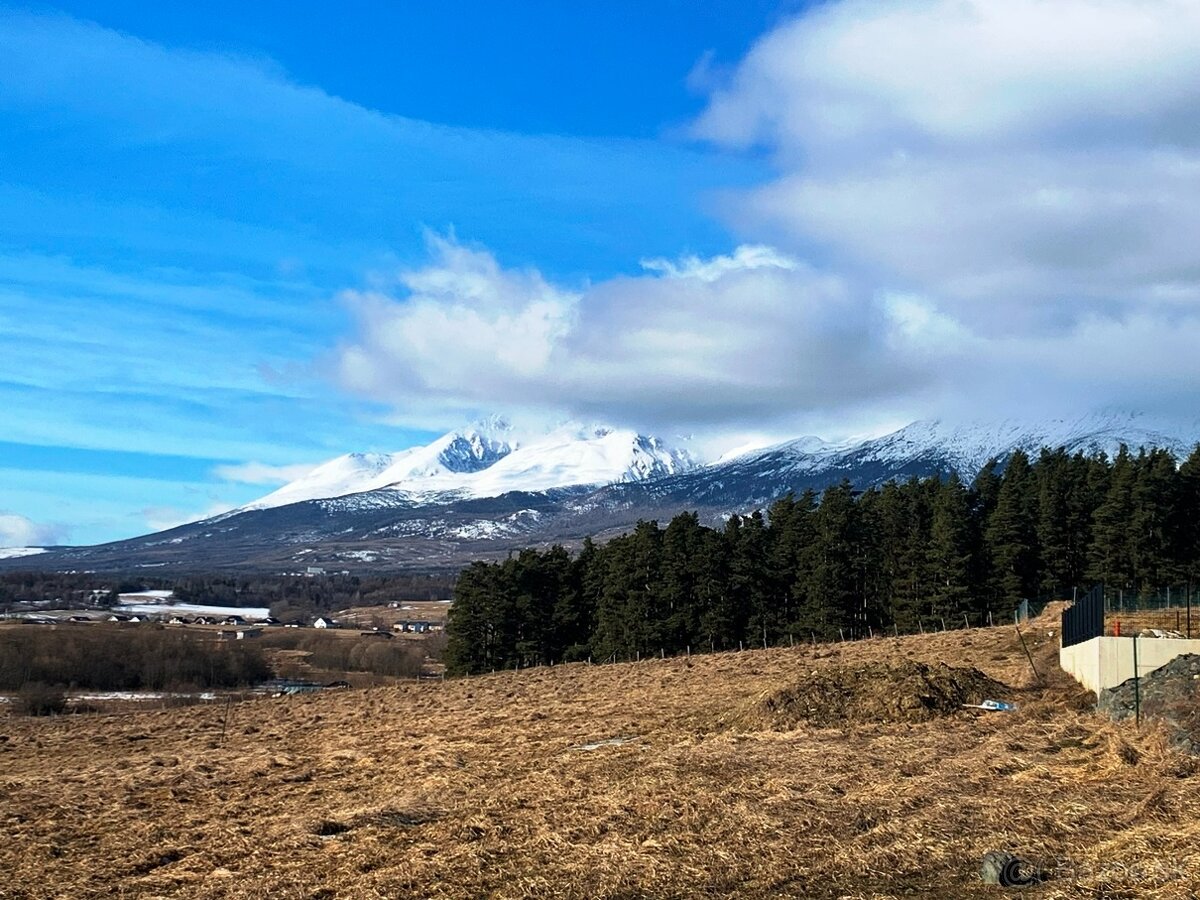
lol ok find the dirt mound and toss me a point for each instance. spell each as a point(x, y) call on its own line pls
point(1171, 693)
point(876, 692)
point(1051, 614)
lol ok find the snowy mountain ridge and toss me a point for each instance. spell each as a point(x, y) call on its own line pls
point(487, 460)
point(483, 492)
point(967, 447)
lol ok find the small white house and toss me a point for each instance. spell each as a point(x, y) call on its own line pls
point(323, 622)
point(238, 634)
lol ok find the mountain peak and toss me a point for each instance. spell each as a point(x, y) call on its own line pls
point(486, 459)
point(493, 428)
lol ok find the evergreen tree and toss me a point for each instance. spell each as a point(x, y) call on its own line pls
point(470, 635)
point(1111, 555)
point(719, 623)
point(898, 587)
point(792, 535)
point(630, 607)
point(1009, 537)
point(749, 578)
point(1052, 479)
point(1187, 519)
point(833, 605)
point(575, 609)
point(1154, 501)
point(682, 544)
point(950, 551)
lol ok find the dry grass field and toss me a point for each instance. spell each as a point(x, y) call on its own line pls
point(407, 611)
point(483, 788)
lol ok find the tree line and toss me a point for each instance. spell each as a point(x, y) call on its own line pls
point(289, 596)
point(903, 556)
point(335, 654)
point(107, 658)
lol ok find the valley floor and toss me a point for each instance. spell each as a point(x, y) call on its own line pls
point(479, 787)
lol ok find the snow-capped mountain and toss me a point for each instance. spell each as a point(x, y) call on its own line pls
point(966, 447)
point(486, 491)
point(487, 460)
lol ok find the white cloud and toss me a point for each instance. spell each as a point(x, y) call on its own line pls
point(1021, 179)
point(465, 325)
point(860, 75)
point(690, 343)
point(1018, 151)
point(262, 473)
point(981, 208)
point(19, 531)
point(744, 259)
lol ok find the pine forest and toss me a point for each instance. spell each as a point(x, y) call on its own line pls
point(899, 558)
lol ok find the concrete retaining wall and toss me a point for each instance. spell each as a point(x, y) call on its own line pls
point(1105, 662)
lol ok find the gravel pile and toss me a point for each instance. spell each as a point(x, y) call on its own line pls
point(1171, 694)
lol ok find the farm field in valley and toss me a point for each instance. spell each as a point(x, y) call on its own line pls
point(664, 778)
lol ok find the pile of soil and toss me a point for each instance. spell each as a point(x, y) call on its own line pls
point(1171, 694)
point(876, 692)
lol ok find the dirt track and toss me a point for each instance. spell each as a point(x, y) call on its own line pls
point(474, 788)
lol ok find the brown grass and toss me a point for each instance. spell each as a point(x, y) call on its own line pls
point(479, 788)
point(407, 611)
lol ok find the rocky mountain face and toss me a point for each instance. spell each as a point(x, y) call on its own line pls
point(483, 492)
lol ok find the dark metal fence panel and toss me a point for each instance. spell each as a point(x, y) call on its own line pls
point(1085, 619)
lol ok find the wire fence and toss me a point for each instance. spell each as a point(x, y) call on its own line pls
point(799, 637)
point(1171, 597)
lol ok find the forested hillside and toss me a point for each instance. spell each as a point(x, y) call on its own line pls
point(904, 557)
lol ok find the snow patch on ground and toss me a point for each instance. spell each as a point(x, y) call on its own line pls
point(196, 609)
point(143, 696)
point(360, 555)
point(485, 529)
point(17, 552)
point(145, 596)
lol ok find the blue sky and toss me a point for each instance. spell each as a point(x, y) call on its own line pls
point(237, 239)
point(185, 190)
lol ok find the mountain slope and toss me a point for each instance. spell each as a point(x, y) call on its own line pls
point(462, 498)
